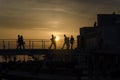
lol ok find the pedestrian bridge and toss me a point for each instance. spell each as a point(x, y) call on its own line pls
point(33, 47)
point(31, 44)
point(34, 51)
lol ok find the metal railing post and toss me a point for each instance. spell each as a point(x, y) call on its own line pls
point(8, 44)
point(29, 44)
point(42, 44)
point(32, 45)
point(3, 44)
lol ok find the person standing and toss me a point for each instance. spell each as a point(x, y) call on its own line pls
point(18, 42)
point(65, 41)
point(72, 41)
point(22, 42)
point(68, 43)
point(53, 42)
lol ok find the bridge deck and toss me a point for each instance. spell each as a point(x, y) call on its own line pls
point(34, 51)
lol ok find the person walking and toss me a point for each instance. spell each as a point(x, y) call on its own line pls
point(65, 41)
point(18, 42)
point(53, 42)
point(68, 43)
point(22, 42)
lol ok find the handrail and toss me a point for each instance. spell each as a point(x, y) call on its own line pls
point(29, 44)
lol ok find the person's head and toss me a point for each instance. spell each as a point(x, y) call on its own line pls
point(18, 35)
point(21, 36)
point(64, 35)
point(52, 35)
point(71, 36)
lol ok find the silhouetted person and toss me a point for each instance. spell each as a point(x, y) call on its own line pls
point(65, 41)
point(72, 41)
point(68, 43)
point(22, 43)
point(19, 42)
point(53, 42)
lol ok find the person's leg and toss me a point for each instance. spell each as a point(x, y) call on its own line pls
point(55, 45)
point(71, 46)
point(20, 45)
point(63, 45)
point(23, 46)
point(50, 46)
point(68, 45)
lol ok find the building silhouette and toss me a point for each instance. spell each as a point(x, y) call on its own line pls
point(106, 34)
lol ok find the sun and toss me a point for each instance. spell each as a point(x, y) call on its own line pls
point(57, 38)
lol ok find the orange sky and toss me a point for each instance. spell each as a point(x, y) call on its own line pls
point(38, 19)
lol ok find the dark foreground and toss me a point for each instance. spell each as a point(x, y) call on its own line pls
point(64, 66)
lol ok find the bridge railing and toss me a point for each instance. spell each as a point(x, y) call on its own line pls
point(30, 44)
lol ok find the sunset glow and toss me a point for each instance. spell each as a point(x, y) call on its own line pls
point(57, 38)
point(45, 17)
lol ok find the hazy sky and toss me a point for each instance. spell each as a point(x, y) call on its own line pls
point(39, 19)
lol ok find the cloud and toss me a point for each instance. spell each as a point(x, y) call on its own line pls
point(38, 13)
